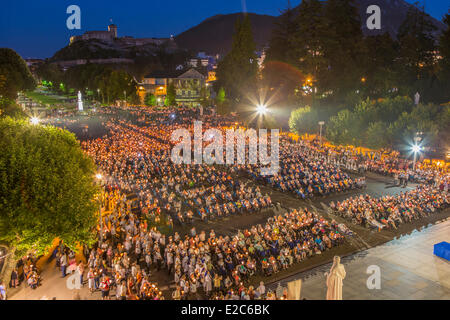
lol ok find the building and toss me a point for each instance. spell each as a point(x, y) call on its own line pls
point(110, 36)
point(107, 36)
point(188, 85)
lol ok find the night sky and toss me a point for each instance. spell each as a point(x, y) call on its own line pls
point(37, 29)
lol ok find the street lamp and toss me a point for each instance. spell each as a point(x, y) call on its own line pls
point(34, 121)
point(99, 179)
point(321, 123)
point(416, 148)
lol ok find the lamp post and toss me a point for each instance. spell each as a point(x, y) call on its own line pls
point(321, 123)
point(99, 179)
point(416, 148)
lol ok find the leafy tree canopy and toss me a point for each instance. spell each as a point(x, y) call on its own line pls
point(14, 74)
point(47, 187)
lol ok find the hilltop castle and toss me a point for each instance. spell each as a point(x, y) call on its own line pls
point(111, 36)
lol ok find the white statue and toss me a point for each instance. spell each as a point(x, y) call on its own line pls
point(334, 280)
point(80, 102)
point(416, 98)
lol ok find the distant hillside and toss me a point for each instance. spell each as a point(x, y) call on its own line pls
point(214, 35)
point(98, 49)
point(393, 12)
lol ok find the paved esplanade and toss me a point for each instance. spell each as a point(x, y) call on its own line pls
point(409, 270)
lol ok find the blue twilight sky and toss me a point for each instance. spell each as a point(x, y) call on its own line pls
point(37, 29)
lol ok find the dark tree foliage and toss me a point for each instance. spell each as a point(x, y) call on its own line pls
point(237, 72)
point(14, 74)
point(416, 50)
point(342, 48)
point(170, 96)
point(324, 42)
point(281, 47)
point(150, 99)
point(444, 49)
point(379, 76)
point(108, 83)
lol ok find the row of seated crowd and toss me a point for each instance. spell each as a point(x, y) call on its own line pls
point(430, 196)
point(391, 211)
point(306, 172)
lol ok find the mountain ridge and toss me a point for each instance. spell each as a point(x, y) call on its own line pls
point(210, 36)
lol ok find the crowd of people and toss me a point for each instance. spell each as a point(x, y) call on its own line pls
point(219, 264)
point(143, 191)
point(306, 172)
point(391, 211)
point(137, 160)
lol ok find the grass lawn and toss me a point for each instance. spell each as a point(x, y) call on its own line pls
point(42, 98)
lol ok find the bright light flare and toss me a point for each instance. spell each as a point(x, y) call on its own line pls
point(416, 148)
point(99, 176)
point(34, 121)
point(261, 109)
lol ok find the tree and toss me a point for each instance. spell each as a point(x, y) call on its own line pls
point(204, 97)
point(111, 83)
point(342, 48)
point(14, 74)
point(9, 108)
point(150, 99)
point(47, 188)
point(416, 49)
point(378, 77)
point(237, 72)
point(444, 49)
point(377, 135)
point(281, 47)
point(220, 98)
point(309, 39)
point(304, 120)
point(344, 128)
point(50, 72)
point(170, 96)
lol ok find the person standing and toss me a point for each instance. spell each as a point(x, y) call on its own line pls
point(63, 263)
point(91, 280)
point(169, 261)
point(104, 286)
point(80, 270)
point(176, 295)
point(208, 284)
point(14, 278)
point(121, 291)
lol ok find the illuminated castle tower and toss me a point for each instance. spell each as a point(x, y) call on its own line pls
point(112, 28)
